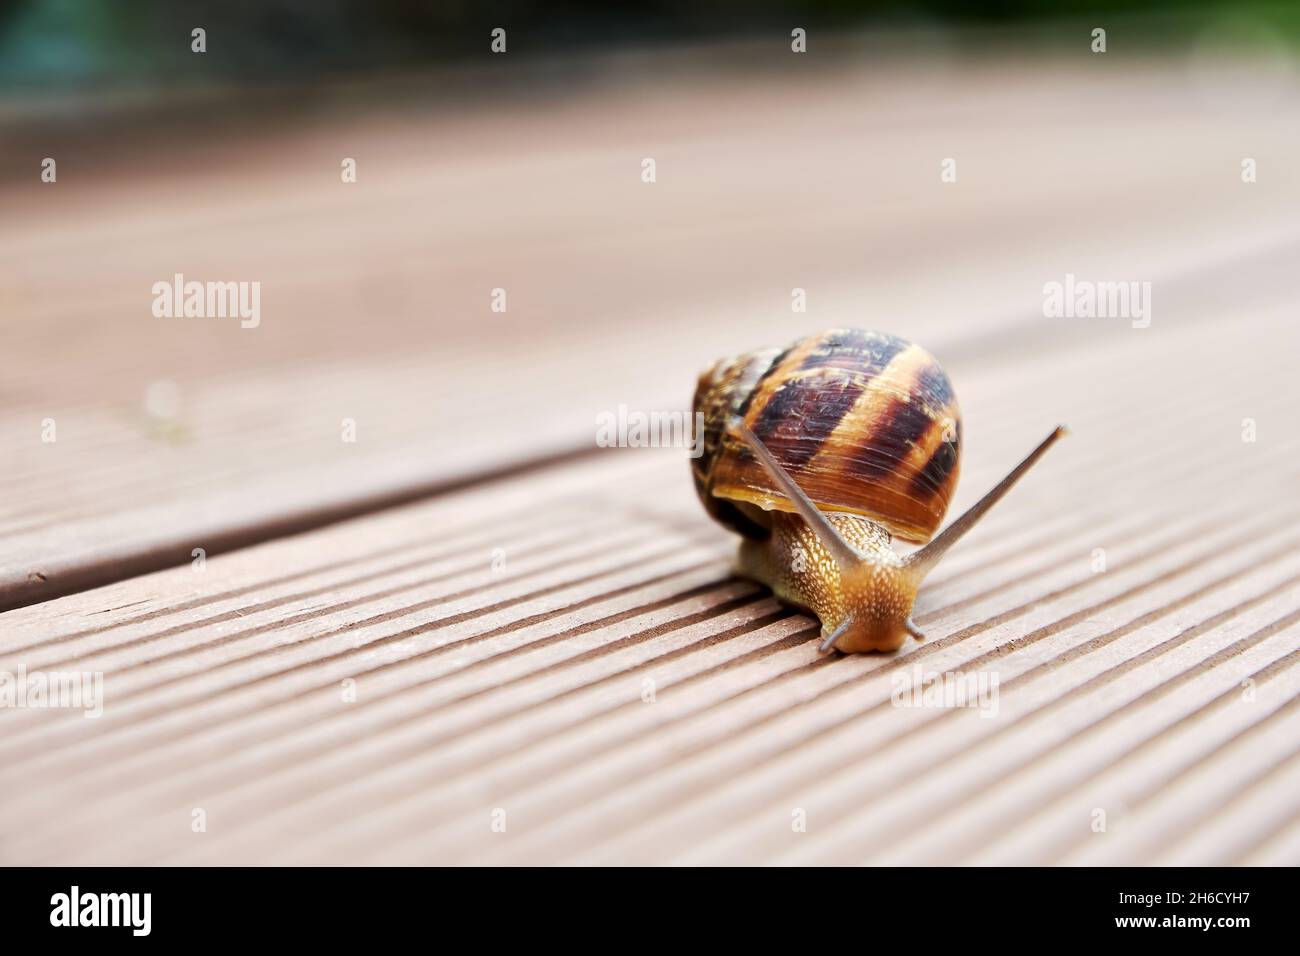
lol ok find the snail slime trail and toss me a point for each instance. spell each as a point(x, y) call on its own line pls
point(818, 455)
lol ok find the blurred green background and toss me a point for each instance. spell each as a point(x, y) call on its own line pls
point(90, 44)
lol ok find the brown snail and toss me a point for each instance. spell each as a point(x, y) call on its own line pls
point(818, 455)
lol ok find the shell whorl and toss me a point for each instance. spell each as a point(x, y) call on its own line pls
point(867, 423)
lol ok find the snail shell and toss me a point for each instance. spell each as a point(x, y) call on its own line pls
point(818, 454)
point(865, 422)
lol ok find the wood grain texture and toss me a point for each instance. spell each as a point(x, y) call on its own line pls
point(376, 295)
point(615, 696)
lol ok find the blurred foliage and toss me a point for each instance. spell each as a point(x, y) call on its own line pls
point(60, 43)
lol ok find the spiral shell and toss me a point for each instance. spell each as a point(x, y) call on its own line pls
point(867, 423)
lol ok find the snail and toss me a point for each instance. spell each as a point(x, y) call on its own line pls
point(818, 455)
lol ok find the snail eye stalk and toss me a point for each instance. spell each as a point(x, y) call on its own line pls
point(922, 562)
point(845, 555)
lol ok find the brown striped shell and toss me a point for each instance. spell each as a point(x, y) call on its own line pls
point(867, 423)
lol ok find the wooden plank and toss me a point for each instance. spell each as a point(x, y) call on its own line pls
point(376, 295)
point(620, 698)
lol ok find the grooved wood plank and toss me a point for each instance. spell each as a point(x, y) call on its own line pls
point(376, 296)
point(566, 651)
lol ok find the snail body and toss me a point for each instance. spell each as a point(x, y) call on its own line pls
point(818, 455)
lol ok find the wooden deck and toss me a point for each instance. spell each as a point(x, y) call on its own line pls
point(472, 636)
